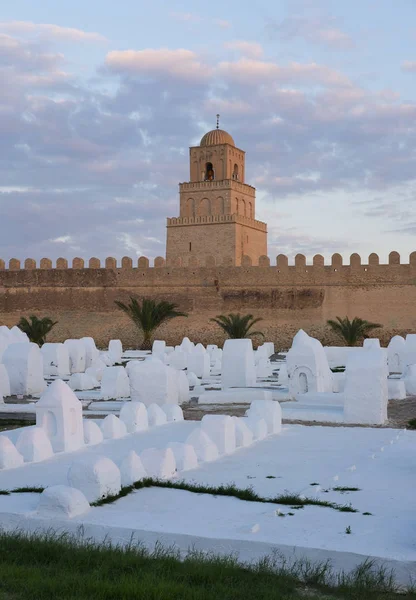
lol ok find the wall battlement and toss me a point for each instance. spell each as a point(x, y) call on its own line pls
point(215, 219)
point(336, 265)
point(80, 295)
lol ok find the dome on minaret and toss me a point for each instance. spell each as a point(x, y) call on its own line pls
point(215, 137)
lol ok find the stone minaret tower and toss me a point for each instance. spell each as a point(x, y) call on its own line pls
point(216, 225)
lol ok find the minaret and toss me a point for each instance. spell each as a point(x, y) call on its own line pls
point(216, 224)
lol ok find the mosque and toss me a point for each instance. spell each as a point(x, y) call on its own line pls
point(217, 216)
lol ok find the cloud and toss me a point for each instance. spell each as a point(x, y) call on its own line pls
point(409, 66)
point(95, 170)
point(249, 49)
point(49, 31)
point(181, 63)
point(252, 72)
point(314, 30)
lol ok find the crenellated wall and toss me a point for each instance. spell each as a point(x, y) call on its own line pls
point(81, 294)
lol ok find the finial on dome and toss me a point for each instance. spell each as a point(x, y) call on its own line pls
point(218, 121)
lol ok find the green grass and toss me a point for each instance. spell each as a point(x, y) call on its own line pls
point(22, 490)
point(63, 568)
point(341, 488)
point(231, 490)
point(411, 424)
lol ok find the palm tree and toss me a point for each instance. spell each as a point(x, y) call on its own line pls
point(353, 331)
point(149, 316)
point(36, 329)
point(238, 326)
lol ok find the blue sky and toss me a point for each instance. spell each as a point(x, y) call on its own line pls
point(100, 103)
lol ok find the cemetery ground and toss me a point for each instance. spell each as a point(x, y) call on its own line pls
point(57, 567)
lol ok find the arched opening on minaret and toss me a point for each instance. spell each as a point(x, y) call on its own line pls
point(209, 172)
point(235, 172)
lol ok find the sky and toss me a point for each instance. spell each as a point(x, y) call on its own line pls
point(100, 101)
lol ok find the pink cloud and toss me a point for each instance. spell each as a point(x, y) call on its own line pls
point(51, 31)
point(249, 71)
point(181, 63)
point(249, 49)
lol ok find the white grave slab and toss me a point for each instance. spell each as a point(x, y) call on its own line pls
point(24, 365)
point(221, 430)
point(59, 413)
point(55, 360)
point(96, 477)
point(134, 416)
point(115, 383)
point(238, 369)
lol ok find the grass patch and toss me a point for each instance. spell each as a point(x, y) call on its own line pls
point(270, 477)
point(338, 369)
point(230, 490)
point(65, 568)
point(341, 488)
point(367, 514)
point(314, 483)
point(22, 490)
point(411, 424)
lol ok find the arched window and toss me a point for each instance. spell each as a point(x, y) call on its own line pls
point(209, 172)
point(243, 207)
point(250, 210)
point(235, 171)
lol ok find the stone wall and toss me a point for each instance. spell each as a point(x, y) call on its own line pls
point(81, 298)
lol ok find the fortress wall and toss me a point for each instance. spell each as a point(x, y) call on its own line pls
point(81, 298)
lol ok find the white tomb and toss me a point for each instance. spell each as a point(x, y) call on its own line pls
point(115, 350)
point(77, 355)
point(396, 389)
point(91, 352)
point(185, 456)
point(62, 501)
point(132, 469)
point(10, 457)
point(55, 360)
point(238, 369)
point(96, 477)
point(92, 433)
point(192, 379)
point(159, 463)
point(134, 416)
point(270, 411)
point(82, 382)
point(183, 387)
point(4, 381)
point(199, 362)
point(178, 359)
point(221, 430)
point(366, 391)
point(173, 412)
point(243, 434)
point(24, 365)
point(205, 448)
point(59, 413)
point(410, 380)
point(153, 382)
point(158, 349)
point(410, 349)
point(115, 383)
point(371, 344)
point(257, 425)
point(156, 415)
point(307, 366)
point(396, 351)
point(34, 445)
point(113, 428)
